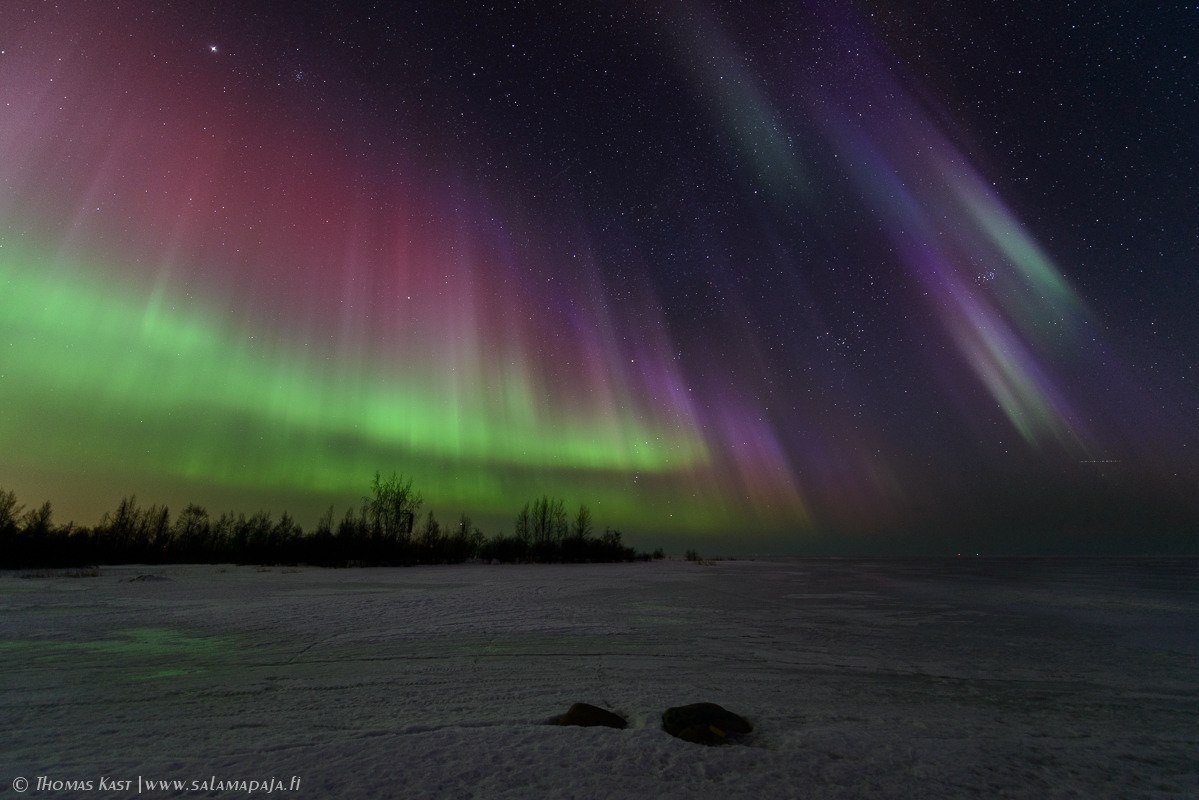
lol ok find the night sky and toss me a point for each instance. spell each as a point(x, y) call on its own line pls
point(827, 277)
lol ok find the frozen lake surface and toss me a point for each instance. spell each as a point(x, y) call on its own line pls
point(905, 679)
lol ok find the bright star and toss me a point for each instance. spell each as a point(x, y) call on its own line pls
point(212, 48)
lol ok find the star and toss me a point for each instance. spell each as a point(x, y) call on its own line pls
point(212, 48)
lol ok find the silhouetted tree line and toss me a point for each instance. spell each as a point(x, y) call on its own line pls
point(386, 529)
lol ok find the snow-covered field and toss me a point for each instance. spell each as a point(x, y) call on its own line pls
point(912, 679)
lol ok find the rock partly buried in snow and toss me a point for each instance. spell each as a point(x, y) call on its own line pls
point(704, 723)
point(589, 716)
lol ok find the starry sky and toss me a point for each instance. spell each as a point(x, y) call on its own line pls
point(791, 277)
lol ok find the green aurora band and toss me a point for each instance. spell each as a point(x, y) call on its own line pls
point(104, 372)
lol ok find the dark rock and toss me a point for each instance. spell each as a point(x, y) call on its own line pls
point(148, 579)
point(589, 716)
point(704, 723)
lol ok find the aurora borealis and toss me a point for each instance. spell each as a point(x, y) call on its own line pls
point(819, 276)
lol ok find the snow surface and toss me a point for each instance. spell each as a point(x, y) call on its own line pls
point(888, 679)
